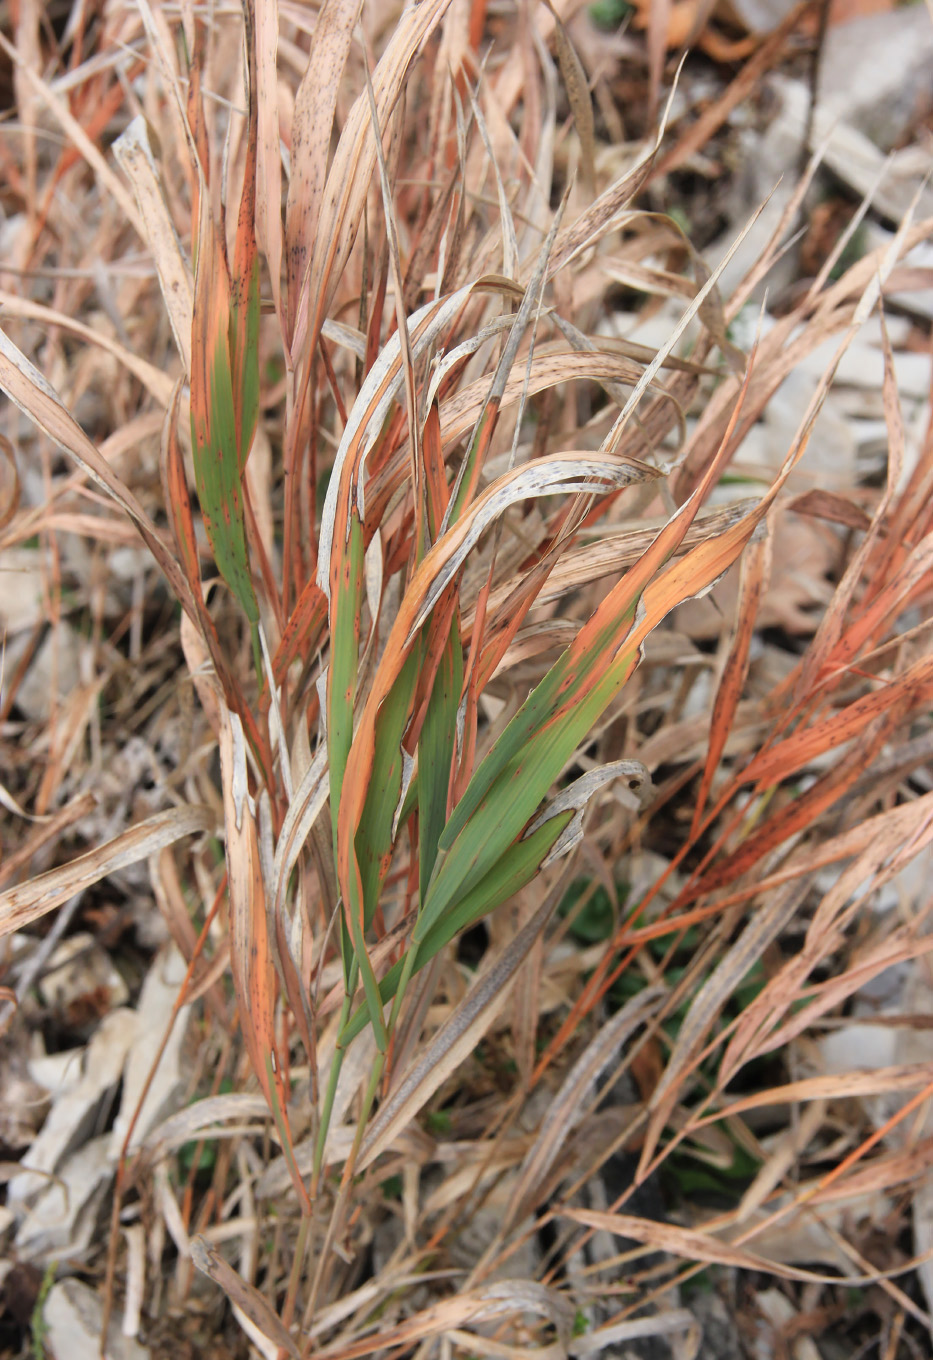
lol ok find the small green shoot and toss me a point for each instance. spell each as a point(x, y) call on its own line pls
point(610, 14)
point(37, 1324)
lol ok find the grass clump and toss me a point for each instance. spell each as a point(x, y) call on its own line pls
point(418, 597)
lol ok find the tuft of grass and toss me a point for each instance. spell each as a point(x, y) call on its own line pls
point(417, 524)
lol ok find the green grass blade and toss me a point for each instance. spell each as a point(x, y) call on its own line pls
point(217, 474)
point(436, 753)
point(214, 421)
point(517, 867)
point(376, 835)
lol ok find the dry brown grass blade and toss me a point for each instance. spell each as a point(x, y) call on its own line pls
point(206, 1117)
point(306, 805)
point(882, 1173)
point(569, 1103)
point(341, 209)
point(765, 925)
point(30, 901)
point(242, 1295)
point(312, 123)
point(783, 1156)
point(49, 829)
point(164, 50)
point(416, 463)
point(484, 1304)
point(547, 368)
point(705, 304)
point(843, 308)
point(578, 94)
point(825, 997)
point(894, 836)
point(10, 502)
point(508, 241)
point(170, 898)
point(699, 133)
point(595, 222)
point(695, 1245)
point(27, 387)
point(829, 505)
point(568, 471)
point(265, 25)
point(72, 129)
point(134, 155)
point(610, 554)
point(69, 731)
point(152, 378)
point(859, 1084)
point(635, 1329)
point(457, 1037)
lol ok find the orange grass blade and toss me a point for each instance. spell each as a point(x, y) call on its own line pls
point(913, 689)
point(895, 837)
point(303, 631)
point(756, 571)
point(177, 499)
point(832, 624)
point(250, 953)
point(910, 581)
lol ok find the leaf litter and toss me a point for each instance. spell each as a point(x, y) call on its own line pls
point(425, 490)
